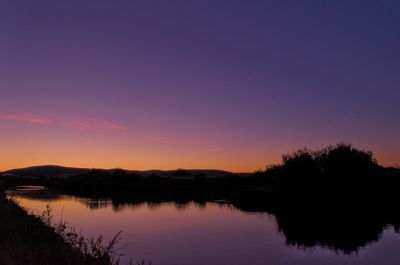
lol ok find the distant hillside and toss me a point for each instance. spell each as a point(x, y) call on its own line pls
point(59, 171)
point(46, 171)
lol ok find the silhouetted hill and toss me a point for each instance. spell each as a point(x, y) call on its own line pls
point(59, 171)
point(46, 171)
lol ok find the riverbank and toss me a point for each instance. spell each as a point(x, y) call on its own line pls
point(26, 239)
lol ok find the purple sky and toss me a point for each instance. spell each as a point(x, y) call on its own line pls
point(196, 84)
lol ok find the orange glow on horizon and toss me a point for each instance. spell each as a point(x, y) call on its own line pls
point(95, 143)
point(102, 161)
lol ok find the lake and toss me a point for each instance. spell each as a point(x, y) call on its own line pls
point(211, 233)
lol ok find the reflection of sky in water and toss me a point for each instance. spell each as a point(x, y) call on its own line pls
point(210, 233)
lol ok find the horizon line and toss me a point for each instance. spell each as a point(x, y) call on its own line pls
point(113, 168)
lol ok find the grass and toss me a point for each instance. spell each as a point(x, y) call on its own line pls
point(29, 239)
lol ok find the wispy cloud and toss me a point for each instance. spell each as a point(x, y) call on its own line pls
point(76, 123)
point(30, 118)
point(92, 124)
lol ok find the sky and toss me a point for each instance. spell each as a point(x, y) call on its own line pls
point(196, 84)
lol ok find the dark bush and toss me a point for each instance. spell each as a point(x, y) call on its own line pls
point(335, 167)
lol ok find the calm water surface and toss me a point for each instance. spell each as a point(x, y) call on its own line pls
point(196, 234)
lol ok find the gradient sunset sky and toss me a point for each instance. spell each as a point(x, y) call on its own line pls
point(195, 84)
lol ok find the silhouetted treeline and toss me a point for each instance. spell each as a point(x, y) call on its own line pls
point(340, 167)
point(341, 173)
point(339, 176)
point(119, 184)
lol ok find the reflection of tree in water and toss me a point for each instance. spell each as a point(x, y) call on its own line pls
point(344, 233)
point(153, 205)
point(96, 204)
point(119, 205)
point(341, 230)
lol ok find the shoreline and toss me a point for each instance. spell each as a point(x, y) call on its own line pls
point(27, 239)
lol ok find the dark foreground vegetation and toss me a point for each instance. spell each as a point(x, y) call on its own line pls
point(29, 239)
point(337, 197)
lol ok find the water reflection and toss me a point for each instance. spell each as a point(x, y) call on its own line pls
point(341, 233)
point(98, 204)
point(118, 206)
point(33, 192)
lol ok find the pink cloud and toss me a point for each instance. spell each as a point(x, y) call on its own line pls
point(90, 124)
point(30, 118)
point(77, 123)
